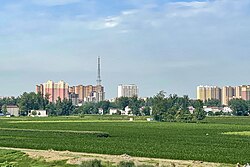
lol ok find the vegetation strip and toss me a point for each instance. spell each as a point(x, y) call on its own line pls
point(75, 158)
point(244, 133)
point(59, 131)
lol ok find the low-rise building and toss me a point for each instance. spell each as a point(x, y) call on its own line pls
point(12, 110)
point(38, 113)
point(113, 111)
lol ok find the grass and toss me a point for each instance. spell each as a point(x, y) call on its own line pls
point(10, 158)
point(204, 141)
point(244, 133)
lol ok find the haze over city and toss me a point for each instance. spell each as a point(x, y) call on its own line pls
point(158, 45)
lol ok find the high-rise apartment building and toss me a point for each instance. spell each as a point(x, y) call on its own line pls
point(245, 92)
point(238, 92)
point(88, 93)
point(127, 90)
point(228, 93)
point(54, 90)
point(208, 92)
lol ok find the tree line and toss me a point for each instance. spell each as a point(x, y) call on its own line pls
point(32, 101)
point(163, 108)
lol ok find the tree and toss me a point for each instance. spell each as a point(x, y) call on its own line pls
point(34, 112)
point(146, 111)
point(31, 101)
point(239, 106)
point(4, 109)
point(134, 105)
point(174, 108)
point(159, 106)
point(122, 102)
point(51, 109)
point(213, 103)
point(199, 114)
point(105, 105)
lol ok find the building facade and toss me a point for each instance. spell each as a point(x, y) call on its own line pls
point(205, 93)
point(54, 90)
point(128, 90)
point(245, 92)
point(88, 93)
point(225, 94)
point(228, 93)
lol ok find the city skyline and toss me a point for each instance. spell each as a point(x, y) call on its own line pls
point(158, 45)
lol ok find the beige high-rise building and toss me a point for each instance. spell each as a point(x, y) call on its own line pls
point(238, 92)
point(208, 92)
point(201, 93)
point(228, 93)
point(95, 93)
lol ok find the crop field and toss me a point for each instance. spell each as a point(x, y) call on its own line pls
point(217, 139)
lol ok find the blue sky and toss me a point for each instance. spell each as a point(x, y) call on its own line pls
point(169, 45)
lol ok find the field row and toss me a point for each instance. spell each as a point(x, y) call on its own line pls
point(204, 141)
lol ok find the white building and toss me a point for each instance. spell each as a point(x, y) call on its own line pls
point(127, 111)
point(127, 90)
point(12, 110)
point(113, 111)
point(100, 111)
point(38, 113)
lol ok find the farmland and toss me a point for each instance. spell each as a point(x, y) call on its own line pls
point(213, 140)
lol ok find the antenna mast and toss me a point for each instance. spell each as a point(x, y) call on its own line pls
point(99, 81)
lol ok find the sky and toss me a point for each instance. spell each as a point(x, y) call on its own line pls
point(170, 45)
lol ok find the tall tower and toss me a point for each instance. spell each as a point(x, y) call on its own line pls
point(99, 89)
point(99, 81)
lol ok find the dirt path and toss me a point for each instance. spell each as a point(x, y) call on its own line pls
point(77, 158)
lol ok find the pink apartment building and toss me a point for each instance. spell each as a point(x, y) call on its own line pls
point(54, 90)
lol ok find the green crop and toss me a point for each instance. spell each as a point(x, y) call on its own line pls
point(205, 141)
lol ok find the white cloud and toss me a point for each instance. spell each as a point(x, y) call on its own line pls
point(104, 23)
point(192, 4)
point(129, 12)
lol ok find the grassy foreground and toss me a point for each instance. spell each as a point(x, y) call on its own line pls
point(204, 141)
point(10, 158)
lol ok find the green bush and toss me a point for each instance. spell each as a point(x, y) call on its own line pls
point(104, 135)
point(93, 163)
point(126, 164)
point(145, 166)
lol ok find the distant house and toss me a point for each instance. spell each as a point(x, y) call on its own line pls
point(127, 111)
point(113, 111)
point(38, 113)
point(212, 109)
point(12, 110)
point(100, 111)
point(227, 110)
point(191, 109)
point(150, 119)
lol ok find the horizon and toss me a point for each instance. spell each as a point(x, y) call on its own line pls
point(173, 45)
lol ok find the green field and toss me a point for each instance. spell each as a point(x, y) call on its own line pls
point(206, 141)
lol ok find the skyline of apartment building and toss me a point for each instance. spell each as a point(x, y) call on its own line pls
point(205, 93)
point(88, 93)
point(61, 89)
point(129, 90)
point(227, 93)
point(54, 90)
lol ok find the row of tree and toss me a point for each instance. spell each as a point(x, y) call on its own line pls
point(163, 108)
point(174, 108)
point(32, 101)
point(137, 106)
